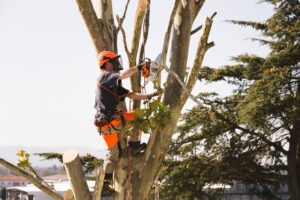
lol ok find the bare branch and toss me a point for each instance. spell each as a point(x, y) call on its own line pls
point(99, 183)
point(257, 134)
point(95, 28)
point(196, 30)
point(124, 38)
point(121, 20)
point(201, 50)
point(168, 33)
point(145, 33)
point(138, 22)
point(210, 45)
point(35, 181)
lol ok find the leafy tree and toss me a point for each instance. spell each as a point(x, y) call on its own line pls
point(253, 134)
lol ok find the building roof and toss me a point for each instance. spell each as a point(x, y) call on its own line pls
point(57, 177)
point(60, 187)
point(12, 178)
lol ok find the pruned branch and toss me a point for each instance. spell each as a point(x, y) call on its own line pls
point(168, 34)
point(34, 180)
point(138, 22)
point(203, 46)
point(146, 25)
point(75, 174)
point(196, 30)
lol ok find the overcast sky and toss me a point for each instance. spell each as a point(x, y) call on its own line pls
point(48, 64)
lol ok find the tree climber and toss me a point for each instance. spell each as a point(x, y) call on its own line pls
point(109, 92)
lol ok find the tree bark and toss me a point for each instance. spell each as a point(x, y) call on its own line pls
point(293, 168)
point(294, 155)
point(134, 176)
point(97, 29)
point(75, 174)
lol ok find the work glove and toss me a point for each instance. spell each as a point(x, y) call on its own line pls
point(153, 94)
point(145, 64)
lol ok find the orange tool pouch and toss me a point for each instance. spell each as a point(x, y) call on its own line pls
point(109, 130)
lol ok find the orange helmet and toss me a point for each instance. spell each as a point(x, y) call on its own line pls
point(109, 56)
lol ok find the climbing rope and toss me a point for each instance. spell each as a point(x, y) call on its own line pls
point(129, 188)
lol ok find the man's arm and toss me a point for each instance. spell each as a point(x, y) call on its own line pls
point(127, 73)
point(139, 96)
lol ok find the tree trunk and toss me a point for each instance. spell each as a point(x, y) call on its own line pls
point(294, 156)
point(293, 167)
point(134, 176)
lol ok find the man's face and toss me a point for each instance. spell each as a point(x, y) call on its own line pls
point(109, 67)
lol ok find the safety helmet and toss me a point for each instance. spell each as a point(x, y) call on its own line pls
point(109, 56)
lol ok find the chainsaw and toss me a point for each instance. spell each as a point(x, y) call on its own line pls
point(151, 68)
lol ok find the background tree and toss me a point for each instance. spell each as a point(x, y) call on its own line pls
point(253, 134)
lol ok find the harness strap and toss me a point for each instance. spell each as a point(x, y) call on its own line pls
point(111, 92)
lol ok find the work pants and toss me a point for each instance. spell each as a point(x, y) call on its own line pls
point(110, 133)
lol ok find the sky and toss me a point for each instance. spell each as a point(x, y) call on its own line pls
point(48, 64)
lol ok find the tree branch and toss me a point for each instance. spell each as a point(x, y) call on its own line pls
point(138, 22)
point(35, 181)
point(201, 50)
point(259, 135)
point(94, 26)
point(168, 34)
point(146, 25)
point(196, 30)
point(124, 38)
point(121, 20)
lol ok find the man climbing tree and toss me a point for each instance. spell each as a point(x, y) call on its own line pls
point(134, 176)
point(109, 119)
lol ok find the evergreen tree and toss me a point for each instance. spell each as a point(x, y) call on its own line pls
point(252, 135)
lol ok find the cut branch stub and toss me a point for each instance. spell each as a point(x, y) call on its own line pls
point(76, 176)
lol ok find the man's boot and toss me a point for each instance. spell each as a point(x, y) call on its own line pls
point(107, 190)
point(136, 147)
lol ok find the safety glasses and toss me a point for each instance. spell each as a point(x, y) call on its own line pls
point(117, 63)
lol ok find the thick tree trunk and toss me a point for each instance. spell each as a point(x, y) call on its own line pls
point(134, 176)
point(293, 167)
point(294, 156)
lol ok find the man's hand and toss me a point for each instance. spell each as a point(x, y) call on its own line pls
point(145, 68)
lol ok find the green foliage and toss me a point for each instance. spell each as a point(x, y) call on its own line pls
point(23, 161)
point(154, 115)
point(246, 135)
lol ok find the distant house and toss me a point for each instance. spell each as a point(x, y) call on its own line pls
point(59, 182)
point(12, 181)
